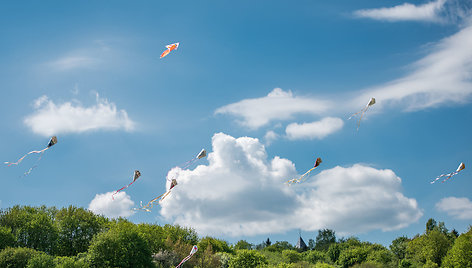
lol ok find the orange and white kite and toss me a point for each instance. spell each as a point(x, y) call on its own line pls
point(169, 49)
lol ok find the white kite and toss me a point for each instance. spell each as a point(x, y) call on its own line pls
point(371, 102)
point(173, 183)
point(449, 175)
point(193, 251)
point(136, 175)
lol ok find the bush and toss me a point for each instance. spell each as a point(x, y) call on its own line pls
point(315, 256)
point(41, 260)
point(16, 257)
point(247, 259)
point(7, 239)
point(291, 256)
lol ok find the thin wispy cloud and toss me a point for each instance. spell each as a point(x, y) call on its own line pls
point(277, 105)
point(314, 130)
point(242, 192)
point(459, 208)
point(429, 12)
point(73, 62)
point(443, 77)
point(50, 118)
point(104, 204)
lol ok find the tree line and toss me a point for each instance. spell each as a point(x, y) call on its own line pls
point(74, 237)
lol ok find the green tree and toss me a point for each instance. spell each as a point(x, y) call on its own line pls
point(334, 251)
point(352, 256)
point(16, 257)
point(70, 262)
point(217, 245)
point(247, 259)
point(207, 258)
point(324, 239)
point(33, 227)
point(154, 235)
point(291, 256)
point(460, 255)
point(186, 235)
point(431, 224)
point(399, 245)
point(431, 246)
point(121, 246)
point(41, 260)
point(76, 227)
point(315, 256)
point(7, 239)
point(243, 244)
point(279, 246)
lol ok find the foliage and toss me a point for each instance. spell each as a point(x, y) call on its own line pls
point(460, 255)
point(76, 227)
point(324, 239)
point(352, 256)
point(315, 256)
point(216, 244)
point(41, 260)
point(71, 262)
point(121, 246)
point(32, 227)
point(186, 235)
point(7, 239)
point(207, 258)
point(154, 235)
point(243, 244)
point(291, 256)
point(16, 257)
point(398, 246)
point(431, 246)
point(279, 246)
point(248, 259)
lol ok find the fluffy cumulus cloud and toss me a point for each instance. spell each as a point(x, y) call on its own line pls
point(103, 204)
point(443, 77)
point(277, 105)
point(406, 12)
point(460, 208)
point(242, 192)
point(50, 118)
point(314, 130)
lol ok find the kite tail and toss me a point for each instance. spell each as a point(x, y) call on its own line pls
point(150, 204)
point(450, 175)
point(440, 176)
point(23, 157)
point(34, 166)
point(184, 260)
point(188, 163)
point(301, 177)
point(112, 196)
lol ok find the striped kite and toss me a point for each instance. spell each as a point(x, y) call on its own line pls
point(169, 49)
point(449, 175)
point(193, 251)
point(51, 142)
point(136, 175)
point(299, 180)
point(173, 183)
point(371, 102)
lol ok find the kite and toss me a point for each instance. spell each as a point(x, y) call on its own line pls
point(169, 49)
point(371, 102)
point(51, 142)
point(317, 163)
point(449, 175)
point(173, 183)
point(136, 175)
point(193, 251)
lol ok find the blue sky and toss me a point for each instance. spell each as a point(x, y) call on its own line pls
point(265, 87)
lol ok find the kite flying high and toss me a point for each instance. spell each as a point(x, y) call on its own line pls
point(317, 163)
point(173, 183)
point(449, 175)
point(51, 142)
point(136, 175)
point(371, 102)
point(169, 49)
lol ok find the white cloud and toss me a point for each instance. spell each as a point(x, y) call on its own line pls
point(429, 12)
point(460, 208)
point(314, 130)
point(73, 62)
point(103, 204)
point(277, 105)
point(270, 137)
point(443, 77)
point(50, 118)
point(242, 192)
